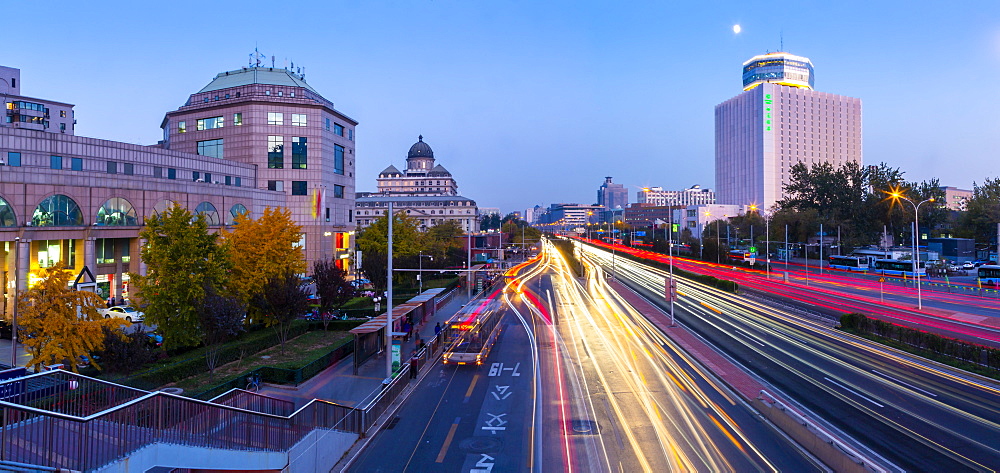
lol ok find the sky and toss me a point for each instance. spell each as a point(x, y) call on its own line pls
point(534, 102)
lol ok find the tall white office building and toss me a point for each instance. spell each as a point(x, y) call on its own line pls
point(778, 121)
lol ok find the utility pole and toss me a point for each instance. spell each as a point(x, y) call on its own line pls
point(388, 302)
point(17, 288)
point(821, 238)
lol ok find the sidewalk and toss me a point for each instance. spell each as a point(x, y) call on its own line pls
point(339, 384)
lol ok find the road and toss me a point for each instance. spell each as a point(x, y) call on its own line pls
point(918, 415)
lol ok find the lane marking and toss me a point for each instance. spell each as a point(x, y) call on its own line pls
point(447, 440)
point(713, 309)
point(905, 384)
point(862, 396)
point(751, 338)
point(472, 386)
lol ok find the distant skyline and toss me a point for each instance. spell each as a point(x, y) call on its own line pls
point(536, 102)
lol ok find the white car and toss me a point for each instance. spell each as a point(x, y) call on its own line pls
point(968, 265)
point(126, 312)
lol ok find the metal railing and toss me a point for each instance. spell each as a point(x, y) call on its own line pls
point(86, 433)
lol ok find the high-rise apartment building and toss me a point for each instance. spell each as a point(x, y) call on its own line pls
point(777, 122)
point(30, 113)
point(693, 195)
point(612, 196)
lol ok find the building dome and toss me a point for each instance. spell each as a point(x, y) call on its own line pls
point(420, 149)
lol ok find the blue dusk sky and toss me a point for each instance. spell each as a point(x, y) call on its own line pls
point(534, 102)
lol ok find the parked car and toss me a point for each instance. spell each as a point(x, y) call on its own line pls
point(126, 312)
point(968, 265)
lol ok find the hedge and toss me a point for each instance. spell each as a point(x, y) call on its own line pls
point(921, 342)
point(193, 363)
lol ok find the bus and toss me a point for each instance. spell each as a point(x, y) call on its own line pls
point(989, 275)
point(739, 255)
point(893, 267)
point(849, 263)
point(469, 337)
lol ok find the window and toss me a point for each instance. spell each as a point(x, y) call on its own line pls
point(238, 183)
point(210, 213)
point(210, 123)
point(237, 119)
point(275, 152)
point(182, 127)
point(157, 171)
point(338, 191)
point(299, 188)
point(338, 159)
point(299, 152)
point(62, 113)
point(55, 162)
point(350, 135)
point(52, 252)
point(6, 214)
point(171, 173)
point(328, 214)
point(208, 177)
point(276, 186)
point(275, 118)
point(234, 211)
point(129, 169)
point(57, 211)
point(13, 159)
point(210, 148)
point(62, 127)
point(327, 124)
point(229, 180)
point(116, 212)
point(338, 129)
point(298, 119)
point(112, 167)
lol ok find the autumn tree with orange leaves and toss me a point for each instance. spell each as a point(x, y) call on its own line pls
point(262, 250)
point(59, 324)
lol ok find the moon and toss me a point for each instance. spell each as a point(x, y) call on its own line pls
point(737, 29)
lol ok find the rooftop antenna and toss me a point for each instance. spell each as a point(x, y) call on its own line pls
point(272, 61)
point(781, 35)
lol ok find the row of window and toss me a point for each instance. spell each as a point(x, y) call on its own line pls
point(76, 164)
point(302, 188)
point(273, 118)
point(449, 203)
point(61, 210)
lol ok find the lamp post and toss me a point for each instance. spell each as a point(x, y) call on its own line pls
point(13, 333)
point(896, 195)
point(420, 273)
point(388, 299)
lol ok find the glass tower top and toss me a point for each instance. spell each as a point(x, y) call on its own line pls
point(778, 68)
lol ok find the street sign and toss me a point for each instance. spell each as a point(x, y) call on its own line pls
point(753, 249)
point(677, 227)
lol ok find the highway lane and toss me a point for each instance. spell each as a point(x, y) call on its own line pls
point(638, 403)
point(463, 418)
point(844, 297)
point(914, 413)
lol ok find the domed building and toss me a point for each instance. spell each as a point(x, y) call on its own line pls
point(424, 190)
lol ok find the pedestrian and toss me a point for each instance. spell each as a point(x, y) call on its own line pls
point(406, 328)
point(414, 365)
point(437, 329)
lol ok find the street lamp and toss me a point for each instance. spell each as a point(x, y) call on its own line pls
point(420, 273)
point(896, 195)
point(13, 333)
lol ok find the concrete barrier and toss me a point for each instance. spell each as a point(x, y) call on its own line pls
point(831, 451)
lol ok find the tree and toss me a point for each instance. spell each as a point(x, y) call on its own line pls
point(373, 243)
point(982, 212)
point(183, 260)
point(332, 288)
point(221, 319)
point(490, 222)
point(261, 249)
point(444, 242)
point(59, 324)
point(125, 352)
point(284, 299)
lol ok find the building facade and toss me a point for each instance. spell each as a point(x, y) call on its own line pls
point(612, 196)
point(300, 144)
point(29, 113)
point(81, 202)
point(566, 215)
point(776, 123)
point(424, 191)
point(693, 195)
point(955, 198)
point(647, 215)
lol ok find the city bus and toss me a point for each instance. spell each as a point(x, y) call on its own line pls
point(738, 255)
point(849, 263)
point(893, 267)
point(469, 337)
point(989, 275)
